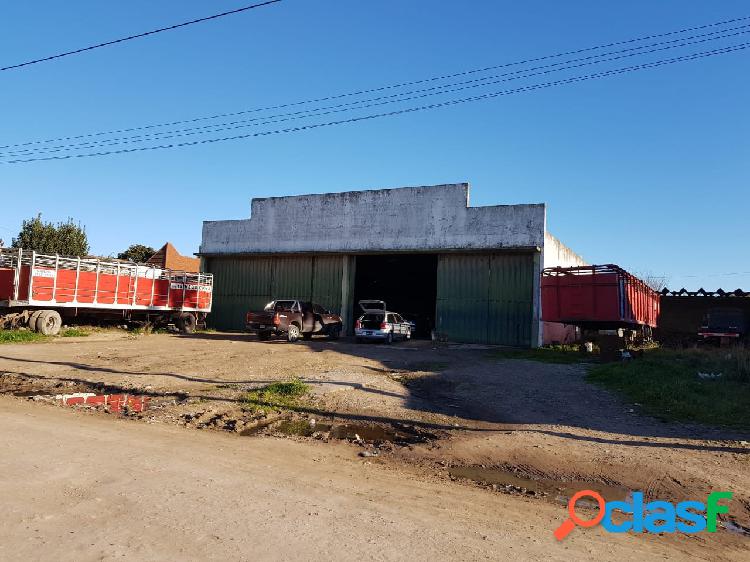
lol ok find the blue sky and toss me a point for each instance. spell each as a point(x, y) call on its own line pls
point(648, 170)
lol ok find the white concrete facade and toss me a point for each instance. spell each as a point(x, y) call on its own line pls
point(403, 219)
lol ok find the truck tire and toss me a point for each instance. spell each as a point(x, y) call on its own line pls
point(33, 318)
point(49, 323)
point(292, 334)
point(334, 333)
point(264, 335)
point(186, 323)
point(307, 336)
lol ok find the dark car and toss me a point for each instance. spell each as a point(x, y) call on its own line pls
point(723, 325)
point(293, 318)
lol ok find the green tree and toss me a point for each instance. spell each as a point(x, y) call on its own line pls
point(137, 253)
point(65, 238)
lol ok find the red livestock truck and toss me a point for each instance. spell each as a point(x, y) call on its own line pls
point(599, 298)
point(38, 291)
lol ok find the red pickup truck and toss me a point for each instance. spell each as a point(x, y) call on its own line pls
point(293, 318)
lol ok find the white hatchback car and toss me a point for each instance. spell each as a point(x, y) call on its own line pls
point(377, 323)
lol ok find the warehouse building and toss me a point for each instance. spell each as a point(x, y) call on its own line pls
point(466, 274)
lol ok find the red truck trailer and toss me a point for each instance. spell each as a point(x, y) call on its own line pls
point(598, 297)
point(38, 290)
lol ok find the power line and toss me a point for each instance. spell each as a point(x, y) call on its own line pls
point(392, 98)
point(490, 95)
point(138, 35)
point(363, 104)
point(727, 274)
point(383, 88)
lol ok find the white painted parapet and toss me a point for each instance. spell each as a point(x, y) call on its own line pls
point(403, 219)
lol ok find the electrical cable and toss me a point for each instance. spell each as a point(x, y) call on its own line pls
point(448, 103)
point(382, 88)
point(363, 104)
point(136, 36)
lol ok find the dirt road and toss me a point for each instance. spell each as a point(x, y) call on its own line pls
point(75, 488)
point(498, 444)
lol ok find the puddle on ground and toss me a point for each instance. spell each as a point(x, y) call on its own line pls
point(368, 433)
point(28, 394)
point(561, 491)
point(374, 434)
point(736, 528)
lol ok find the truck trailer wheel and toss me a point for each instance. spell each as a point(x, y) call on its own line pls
point(33, 318)
point(186, 323)
point(49, 323)
point(293, 333)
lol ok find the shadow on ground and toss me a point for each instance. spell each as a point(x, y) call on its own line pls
point(469, 384)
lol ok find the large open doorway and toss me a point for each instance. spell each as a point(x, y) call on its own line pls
point(406, 282)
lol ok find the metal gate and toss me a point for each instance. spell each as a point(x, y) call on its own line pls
point(248, 283)
point(486, 298)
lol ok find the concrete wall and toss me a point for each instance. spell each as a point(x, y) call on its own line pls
point(410, 218)
point(557, 254)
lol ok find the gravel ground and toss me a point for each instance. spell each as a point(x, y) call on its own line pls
point(533, 420)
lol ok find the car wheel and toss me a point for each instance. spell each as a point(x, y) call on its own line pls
point(335, 333)
point(293, 334)
point(389, 338)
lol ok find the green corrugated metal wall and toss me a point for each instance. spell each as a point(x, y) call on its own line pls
point(248, 283)
point(326, 285)
point(485, 298)
point(481, 298)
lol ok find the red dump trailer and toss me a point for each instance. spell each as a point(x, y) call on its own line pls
point(598, 297)
point(38, 291)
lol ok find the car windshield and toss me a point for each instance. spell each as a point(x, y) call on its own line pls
point(371, 321)
point(279, 305)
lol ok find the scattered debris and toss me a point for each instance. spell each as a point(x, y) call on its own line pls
point(110, 402)
point(374, 453)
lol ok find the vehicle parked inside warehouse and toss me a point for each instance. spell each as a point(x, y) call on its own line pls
point(295, 319)
point(378, 323)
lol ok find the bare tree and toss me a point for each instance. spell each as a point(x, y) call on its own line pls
point(657, 282)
